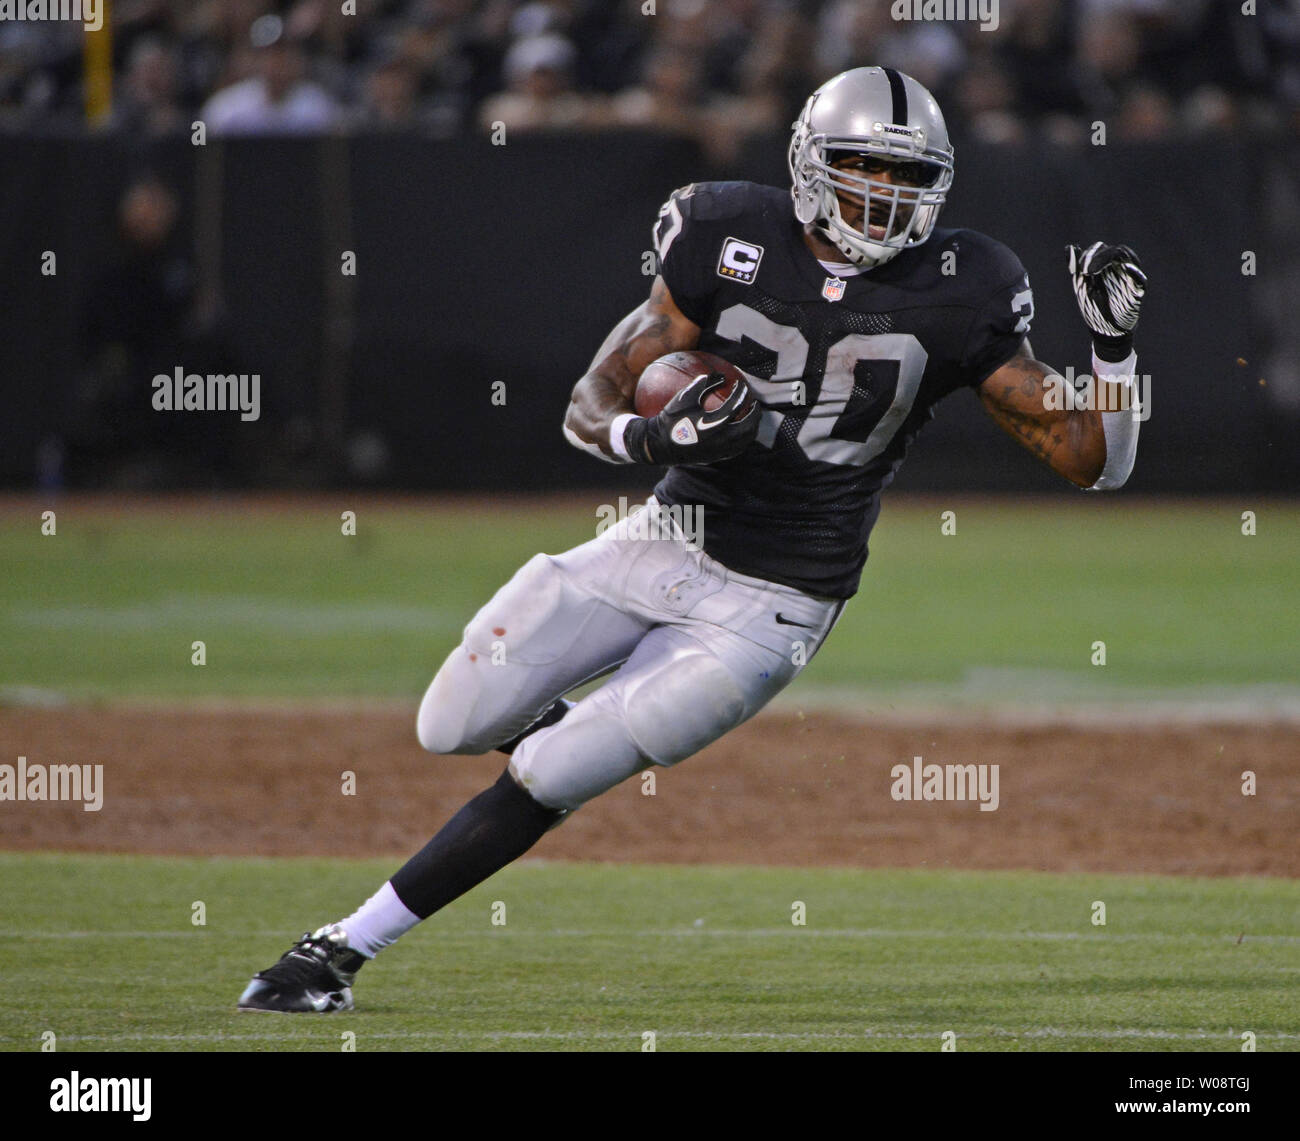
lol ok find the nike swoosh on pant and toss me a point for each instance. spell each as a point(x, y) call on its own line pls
point(782, 620)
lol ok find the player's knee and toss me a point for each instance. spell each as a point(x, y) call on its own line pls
point(678, 710)
point(437, 735)
point(471, 707)
point(437, 730)
point(576, 760)
point(444, 723)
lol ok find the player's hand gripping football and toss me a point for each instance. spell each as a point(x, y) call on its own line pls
point(1109, 285)
point(686, 432)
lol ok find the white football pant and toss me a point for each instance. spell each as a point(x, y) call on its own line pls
point(699, 649)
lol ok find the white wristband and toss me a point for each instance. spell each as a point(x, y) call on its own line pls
point(1117, 372)
point(616, 430)
point(1120, 428)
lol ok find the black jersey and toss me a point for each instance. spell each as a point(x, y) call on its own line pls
point(847, 369)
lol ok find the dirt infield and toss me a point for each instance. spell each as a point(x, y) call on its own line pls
point(781, 790)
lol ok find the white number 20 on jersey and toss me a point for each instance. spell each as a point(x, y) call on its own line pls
point(817, 434)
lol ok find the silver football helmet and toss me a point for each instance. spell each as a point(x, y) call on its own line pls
point(883, 114)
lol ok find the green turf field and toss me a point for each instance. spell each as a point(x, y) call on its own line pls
point(102, 952)
point(287, 605)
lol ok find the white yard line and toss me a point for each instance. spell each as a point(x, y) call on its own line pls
point(719, 932)
point(263, 613)
point(977, 703)
point(998, 699)
point(634, 1040)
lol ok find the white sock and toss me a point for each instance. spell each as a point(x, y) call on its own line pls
point(378, 923)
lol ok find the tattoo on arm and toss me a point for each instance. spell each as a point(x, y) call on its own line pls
point(654, 328)
point(622, 363)
point(1067, 441)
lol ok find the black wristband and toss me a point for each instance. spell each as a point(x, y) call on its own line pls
point(1112, 350)
point(636, 440)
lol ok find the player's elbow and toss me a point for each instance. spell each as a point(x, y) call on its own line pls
point(1088, 455)
point(576, 418)
point(1112, 475)
point(1085, 476)
point(1121, 438)
point(575, 427)
point(574, 439)
point(577, 431)
point(1108, 483)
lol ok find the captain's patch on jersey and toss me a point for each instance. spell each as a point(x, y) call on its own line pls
point(739, 260)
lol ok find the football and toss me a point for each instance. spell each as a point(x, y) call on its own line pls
point(664, 378)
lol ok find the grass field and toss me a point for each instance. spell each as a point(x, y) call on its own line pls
point(101, 949)
point(592, 957)
point(288, 606)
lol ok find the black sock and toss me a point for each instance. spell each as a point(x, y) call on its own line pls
point(557, 710)
point(497, 826)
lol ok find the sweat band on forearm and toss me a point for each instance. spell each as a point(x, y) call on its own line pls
point(1120, 428)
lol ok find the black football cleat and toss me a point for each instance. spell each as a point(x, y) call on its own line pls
point(314, 976)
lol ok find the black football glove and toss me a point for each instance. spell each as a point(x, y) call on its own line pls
point(1109, 285)
point(685, 432)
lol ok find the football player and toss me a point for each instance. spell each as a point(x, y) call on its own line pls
point(851, 316)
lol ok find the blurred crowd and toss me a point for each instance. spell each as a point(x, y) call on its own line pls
point(716, 70)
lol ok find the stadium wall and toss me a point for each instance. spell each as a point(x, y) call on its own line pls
point(477, 264)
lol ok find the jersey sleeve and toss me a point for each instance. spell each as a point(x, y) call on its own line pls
point(678, 241)
point(1000, 323)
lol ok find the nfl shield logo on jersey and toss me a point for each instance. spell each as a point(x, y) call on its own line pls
point(833, 290)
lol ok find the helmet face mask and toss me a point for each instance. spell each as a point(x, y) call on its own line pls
point(856, 110)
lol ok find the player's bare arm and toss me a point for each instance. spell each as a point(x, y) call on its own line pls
point(1070, 441)
point(654, 328)
point(1093, 443)
point(602, 418)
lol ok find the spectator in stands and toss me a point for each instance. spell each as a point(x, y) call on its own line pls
point(390, 102)
point(1036, 57)
point(771, 88)
point(669, 96)
point(40, 64)
point(539, 90)
point(145, 315)
point(985, 103)
point(1106, 59)
point(1147, 113)
point(849, 32)
point(1068, 63)
point(389, 97)
point(149, 103)
point(276, 99)
point(1211, 110)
